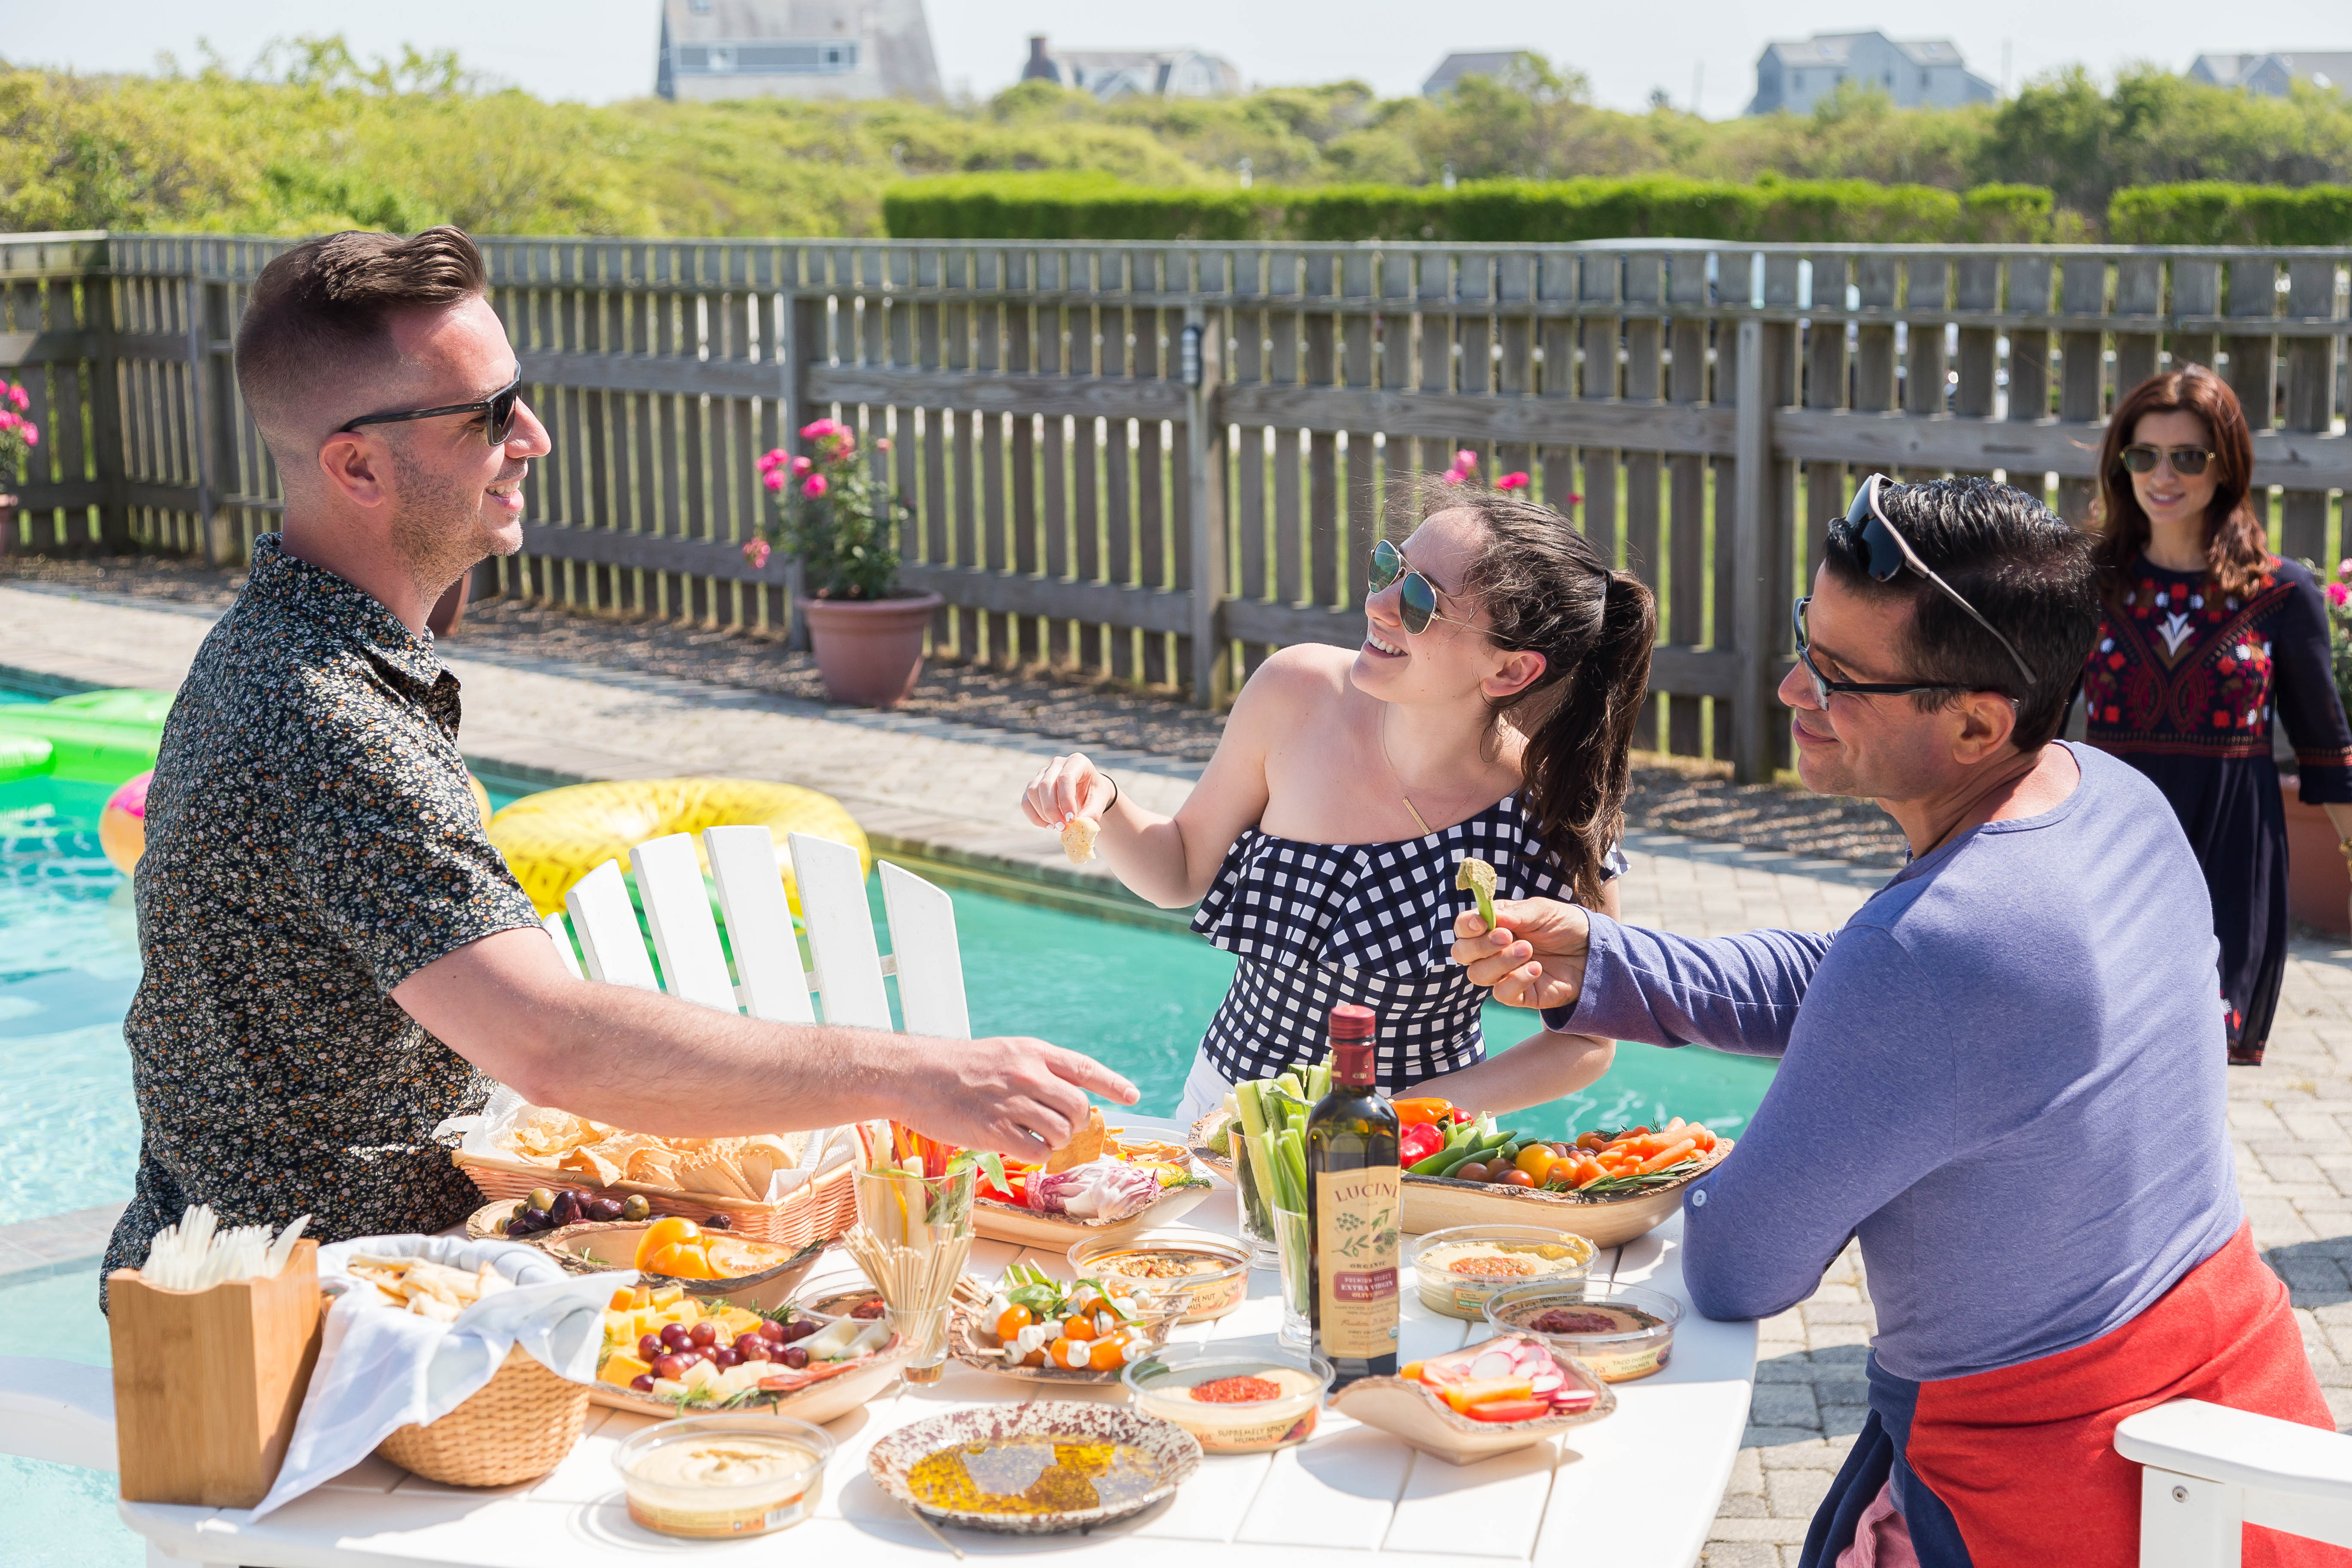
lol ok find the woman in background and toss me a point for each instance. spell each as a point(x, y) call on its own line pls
point(1488, 713)
point(2208, 636)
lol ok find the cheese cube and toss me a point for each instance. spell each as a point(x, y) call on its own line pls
point(620, 1369)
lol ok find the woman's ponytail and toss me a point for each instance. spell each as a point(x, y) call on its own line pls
point(1545, 589)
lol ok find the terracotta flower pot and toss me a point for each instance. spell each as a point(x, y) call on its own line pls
point(2318, 884)
point(870, 651)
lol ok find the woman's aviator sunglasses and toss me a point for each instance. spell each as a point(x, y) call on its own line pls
point(499, 408)
point(1416, 600)
point(1880, 550)
point(2186, 461)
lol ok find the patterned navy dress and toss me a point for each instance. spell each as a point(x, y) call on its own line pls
point(1317, 925)
point(2183, 685)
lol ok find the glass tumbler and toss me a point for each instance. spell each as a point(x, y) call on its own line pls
point(1256, 1209)
point(1295, 1244)
point(912, 1236)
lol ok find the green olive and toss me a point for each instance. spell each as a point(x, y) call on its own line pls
point(541, 1198)
point(636, 1207)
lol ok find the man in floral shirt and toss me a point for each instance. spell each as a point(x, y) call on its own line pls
point(336, 957)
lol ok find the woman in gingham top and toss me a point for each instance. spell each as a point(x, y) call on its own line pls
point(1488, 713)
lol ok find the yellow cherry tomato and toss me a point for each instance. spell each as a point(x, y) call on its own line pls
point(1012, 1320)
point(1536, 1160)
point(1079, 1326)
point(667, 1231)
point(1071, 1354)
point(1035, 1358)
point(1107, 1355)
point(1084, 1301)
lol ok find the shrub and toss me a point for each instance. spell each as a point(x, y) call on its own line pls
point(1065, 206)
point(2208, 212)
point(2006, 215)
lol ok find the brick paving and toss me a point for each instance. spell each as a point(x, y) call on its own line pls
point(2289, 1119)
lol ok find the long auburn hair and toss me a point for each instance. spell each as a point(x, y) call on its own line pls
point(1547, 590)
point(2237, 548)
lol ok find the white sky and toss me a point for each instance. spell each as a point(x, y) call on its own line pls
point(598, 50)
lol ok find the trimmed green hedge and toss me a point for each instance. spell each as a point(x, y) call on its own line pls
point(2212, 212)
point(1093, 206)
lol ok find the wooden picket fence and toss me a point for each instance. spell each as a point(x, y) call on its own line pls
point(1159, 461)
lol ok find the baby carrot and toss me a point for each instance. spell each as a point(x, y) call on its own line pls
point(1660, 1160)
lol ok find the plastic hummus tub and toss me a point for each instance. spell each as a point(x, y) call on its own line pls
point(1234, 1403)
point(724, 1475)
point(1460, 1268)
point(1210, 1273)
point(1620, 1332)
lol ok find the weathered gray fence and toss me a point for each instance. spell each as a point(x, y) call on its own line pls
point(1083, 497)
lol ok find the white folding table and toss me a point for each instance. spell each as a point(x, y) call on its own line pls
point(1636, 1490)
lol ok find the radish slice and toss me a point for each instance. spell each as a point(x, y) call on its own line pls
point(1545, 1382)
point(1494, 1363)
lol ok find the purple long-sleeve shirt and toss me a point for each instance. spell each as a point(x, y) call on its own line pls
point(2004, 1075)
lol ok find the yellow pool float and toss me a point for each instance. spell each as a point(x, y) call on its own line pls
point(553, 838)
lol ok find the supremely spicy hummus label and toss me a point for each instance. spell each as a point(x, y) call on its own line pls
point(1356, 1262)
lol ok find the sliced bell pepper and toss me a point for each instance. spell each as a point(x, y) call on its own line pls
point(1508, 1409)
point(1422, 1109)
point(1483, 1390)
point(1418, 1144)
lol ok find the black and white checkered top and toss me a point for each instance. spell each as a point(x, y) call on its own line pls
point(1317, 925)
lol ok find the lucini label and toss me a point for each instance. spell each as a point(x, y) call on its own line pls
point(1356, 1260)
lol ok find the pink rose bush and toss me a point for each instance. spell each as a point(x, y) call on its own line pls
point(835, 513)
point(2339, 628)
point(18, 434)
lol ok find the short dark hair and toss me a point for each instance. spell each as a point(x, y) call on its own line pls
point(324, 309)
point(2024, 570)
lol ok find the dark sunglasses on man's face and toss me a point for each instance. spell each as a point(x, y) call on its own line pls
point(1416, 600)
point(2186, 461)
point(1880, 550)
point(499, 408)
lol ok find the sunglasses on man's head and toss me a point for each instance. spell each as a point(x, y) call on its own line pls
point(499, 408)
point(1416, 600)
point(1880, 550)
point(2186, 461)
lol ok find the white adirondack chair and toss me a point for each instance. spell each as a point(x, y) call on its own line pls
point(64, 1413)
point(2208, 1471)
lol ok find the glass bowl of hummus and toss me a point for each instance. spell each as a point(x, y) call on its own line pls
point(1620, 1332)
point(1233, 1402)
point(1208, 1273)
point(719, 1475)
point(1459, 1270)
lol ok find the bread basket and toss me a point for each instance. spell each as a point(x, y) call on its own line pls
point(515, 1428)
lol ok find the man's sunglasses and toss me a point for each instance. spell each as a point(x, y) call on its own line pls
point(1416, 601)
point(1880, 550)
point(2186, 461)
point(1823, 685)
point(499, 406)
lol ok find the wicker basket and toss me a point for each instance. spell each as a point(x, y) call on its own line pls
point(515, 1428)
point(818, 1210)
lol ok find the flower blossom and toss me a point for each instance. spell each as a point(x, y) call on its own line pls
point(1512, 482)
point(800, 466)
point(772, 459)
point(20, 397)
point(813, 485)
point(2344, 567)
point(756, 552)
point(818, 429)
point(883, 445)
point(29, 431)
point(773, 479)
point(2338, 595)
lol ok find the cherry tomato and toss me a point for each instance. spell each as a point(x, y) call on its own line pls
point(1515, 1178)
point(1536, 1161)
point(1012, 1320)
point(1079, 1326)
point(1473, 1171)
point(1107, 1355)
point(1035, 1358)
point(1073, 1354)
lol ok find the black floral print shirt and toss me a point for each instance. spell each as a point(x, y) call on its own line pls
point(312, 841)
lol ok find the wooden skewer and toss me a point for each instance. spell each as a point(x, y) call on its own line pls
point(930, 1529)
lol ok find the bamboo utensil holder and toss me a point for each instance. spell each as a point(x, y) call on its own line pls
point(207, 1383)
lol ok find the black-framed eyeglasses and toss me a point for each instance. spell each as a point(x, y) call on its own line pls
point(1823, 685)
point(499, 406)
point(1880, 550)
point(1416, 600)
point(2186, 461)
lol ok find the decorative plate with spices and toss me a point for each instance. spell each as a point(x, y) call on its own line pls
point(1039, 1468)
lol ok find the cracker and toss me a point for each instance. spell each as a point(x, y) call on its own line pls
point(1078, 837)
point(1086, 1146)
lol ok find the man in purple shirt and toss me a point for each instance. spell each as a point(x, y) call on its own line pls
point(2001, 1075)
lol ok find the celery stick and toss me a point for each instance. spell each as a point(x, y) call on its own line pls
point(1252, 1109)
point(1292, 1145)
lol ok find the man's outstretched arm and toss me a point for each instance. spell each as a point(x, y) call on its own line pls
point(654, 1064)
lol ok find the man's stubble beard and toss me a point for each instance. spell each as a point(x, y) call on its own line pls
point(437, 528)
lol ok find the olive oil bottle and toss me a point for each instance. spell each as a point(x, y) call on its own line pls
point(1354, 1206)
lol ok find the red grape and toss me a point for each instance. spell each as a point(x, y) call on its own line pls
point(754, 1347)
point(643, 1383)
point(674, 1336)
point(799, 1330)
point(726, 1356)
point(794, 1356)
point(670, 1368)
point(772, 1331)
point(649, 1346)
point(704, 1334)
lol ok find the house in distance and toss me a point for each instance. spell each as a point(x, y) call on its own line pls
point(1473, 62)
point(2272, 74)
point(1121, 73)
point(1915, 73)
point(794, 49)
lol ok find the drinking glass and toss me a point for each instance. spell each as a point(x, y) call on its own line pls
point(1294, 1243)
point(1255, 1208)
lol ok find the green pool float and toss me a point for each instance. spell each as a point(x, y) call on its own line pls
point(96, 737)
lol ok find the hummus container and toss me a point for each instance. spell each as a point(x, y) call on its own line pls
point(1460, 1268)
point(836, 1294)
point(1234, 1403)
point(1208, 1273)
point(1620, 1332)
point(720, 1476)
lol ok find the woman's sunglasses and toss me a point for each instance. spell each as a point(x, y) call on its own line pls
point(499, 406)
point(1880, 550)
point(1416, 600)
point(2186, 461)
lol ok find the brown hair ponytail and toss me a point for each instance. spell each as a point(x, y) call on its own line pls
point(1545, 589)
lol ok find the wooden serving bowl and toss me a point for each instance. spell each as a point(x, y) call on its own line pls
point(975, 1344)
point(596, 1247)
point(1000, 1221)
point(817, 1403)
point(1441, 1202)
point(1414, 1416)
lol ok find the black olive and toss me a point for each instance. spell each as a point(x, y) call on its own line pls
point(719, 1222)
point(529, 1223)
point(607, 1210)
point(566, 1207)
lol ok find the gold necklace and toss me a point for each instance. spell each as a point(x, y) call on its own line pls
point(1380, 733)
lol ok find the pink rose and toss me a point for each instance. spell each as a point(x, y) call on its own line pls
point(773, 458)
point(800, 466)
point(773, 479)
point(818, 429)
point(756, 553)
point(2343, 568)
point(20, 397)
point(883, 445)
point(1512, 482)
point(2338, 595)
point(1450, 477)
point(1466, 459)
point(31, 432)
point(813, 485)
point(8, 421)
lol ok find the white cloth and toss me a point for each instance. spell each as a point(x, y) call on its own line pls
point(1204, 1090)
point(381, 1368)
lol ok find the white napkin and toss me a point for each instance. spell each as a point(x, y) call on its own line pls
point(381, 1368)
